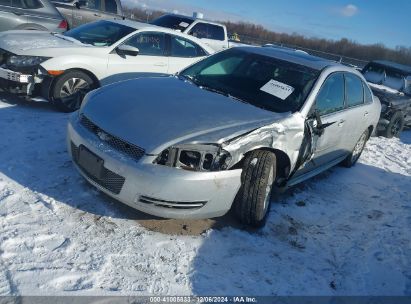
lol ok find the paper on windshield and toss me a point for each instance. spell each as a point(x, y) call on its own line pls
point(277, 89)
point(183, 24)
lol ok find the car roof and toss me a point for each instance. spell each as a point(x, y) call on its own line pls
point(302, 58)
point(192, 18)
point(394, 65)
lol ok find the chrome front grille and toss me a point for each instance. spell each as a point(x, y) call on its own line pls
point(110, 180)
point(118, 144)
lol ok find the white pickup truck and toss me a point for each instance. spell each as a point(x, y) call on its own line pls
point(211, 33)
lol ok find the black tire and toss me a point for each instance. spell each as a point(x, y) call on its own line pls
point(353, 157)
point(395, 126)
point(68, 90)
point(252, 203)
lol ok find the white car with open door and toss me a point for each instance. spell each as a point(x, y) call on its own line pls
point(62, 68)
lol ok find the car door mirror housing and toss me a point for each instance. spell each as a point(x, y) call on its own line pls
point(127, 50)
point(317, 123)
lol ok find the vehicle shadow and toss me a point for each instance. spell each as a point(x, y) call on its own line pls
point(329, 236)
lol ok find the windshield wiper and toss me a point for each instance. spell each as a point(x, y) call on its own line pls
point(204, 87)
point(68, 38)
point(194, 80)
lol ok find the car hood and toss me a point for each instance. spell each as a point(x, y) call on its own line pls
point(388, 95)
point(36, 43)
point(155, 113)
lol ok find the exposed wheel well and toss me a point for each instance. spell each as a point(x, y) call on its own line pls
point(370, 130)
point(283, 162)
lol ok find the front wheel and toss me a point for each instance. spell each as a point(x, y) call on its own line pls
point(69, 89)
point(253, 199)
point(353, 157)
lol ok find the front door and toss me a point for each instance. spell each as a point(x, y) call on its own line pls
point(328, 135)
point(150, 59)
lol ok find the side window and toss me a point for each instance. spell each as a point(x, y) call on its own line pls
point(149, 43)
point(215, 32)
point(354, 90)
point(199, 30)
point(331, 96)
point(93, 4)
point(110, 6)
point(208, 31)
point(367, 94)
point(181, 47)
point(27, 4)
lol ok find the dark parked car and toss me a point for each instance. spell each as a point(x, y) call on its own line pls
point(30, 15)
point(391, 83)
point(78, 12)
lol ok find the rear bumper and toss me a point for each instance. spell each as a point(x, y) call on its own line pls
point(155, 189)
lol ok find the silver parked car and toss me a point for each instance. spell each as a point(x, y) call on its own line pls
point(222, 132)
point(78, 12)
point(30, 15)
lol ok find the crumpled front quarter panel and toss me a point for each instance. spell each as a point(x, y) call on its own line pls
point(285, 135)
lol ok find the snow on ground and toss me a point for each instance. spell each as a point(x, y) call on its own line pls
point(346, 232)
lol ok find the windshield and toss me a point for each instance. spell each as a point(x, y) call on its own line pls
point(173, 22)
point(263, 81)
point(100, 33)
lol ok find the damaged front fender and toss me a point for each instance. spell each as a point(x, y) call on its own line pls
point(285, 135)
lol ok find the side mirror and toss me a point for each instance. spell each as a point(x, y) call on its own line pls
point(127, 50)
point(317, 124)
point(80, 3)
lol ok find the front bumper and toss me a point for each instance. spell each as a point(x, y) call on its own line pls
point(155, 189)
point(15, 76)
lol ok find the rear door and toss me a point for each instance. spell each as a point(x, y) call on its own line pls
point(183, 52)
point(357, 115)
point(151, 58)
point(91, 11)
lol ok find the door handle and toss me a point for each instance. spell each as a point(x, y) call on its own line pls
point(97, 15)
point(366, 113)
point(160, 64)
point(341, 122)
point(17, 13)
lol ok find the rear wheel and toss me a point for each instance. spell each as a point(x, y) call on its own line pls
point(252, 202)
point(356, 153)
point(69, 89)
point(395, 126)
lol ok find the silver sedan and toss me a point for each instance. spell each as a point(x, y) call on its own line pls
point(222, 133)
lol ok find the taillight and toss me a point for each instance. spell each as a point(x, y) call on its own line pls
point(63, 24)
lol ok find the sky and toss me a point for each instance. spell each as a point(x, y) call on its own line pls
point(367, 22)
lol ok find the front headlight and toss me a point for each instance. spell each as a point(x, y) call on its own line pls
point(25, 61)
point(195, 157)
